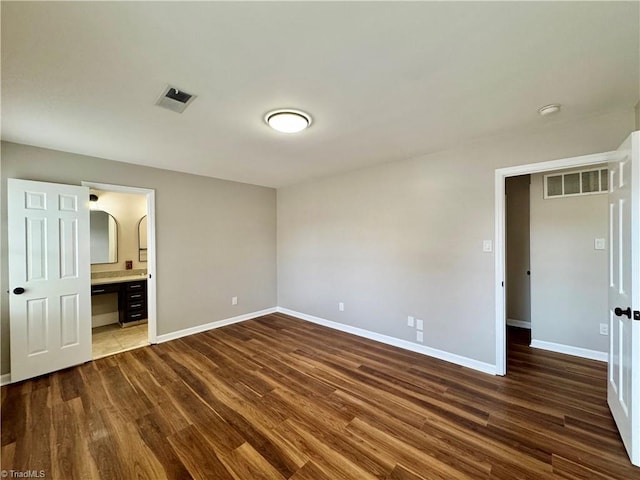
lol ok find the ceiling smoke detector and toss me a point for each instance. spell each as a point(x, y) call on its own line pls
point(549, 109)
point(175, 99)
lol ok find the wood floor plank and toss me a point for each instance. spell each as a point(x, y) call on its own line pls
point(459, 456)
point(69, 446)
point(409, 455)
point(106, 451)
point(196, 454)
point(14, 416)
point(278, 398)
point(310, 471)
point(154, 430)
point(327, 459)
point(574, 471)
point(33, 451)
point(7, 455)
point(245, 462)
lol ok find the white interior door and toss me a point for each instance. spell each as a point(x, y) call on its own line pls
point(624, 299)
point(49, 277)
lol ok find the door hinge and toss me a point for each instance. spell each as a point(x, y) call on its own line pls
point(636, 314)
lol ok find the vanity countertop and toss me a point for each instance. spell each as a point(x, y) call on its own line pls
point(127, 278)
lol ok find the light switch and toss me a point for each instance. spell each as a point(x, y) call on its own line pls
point(410, 321)
point(599, 244)
point(419, 324)
point(420, 336)
point(487, 246)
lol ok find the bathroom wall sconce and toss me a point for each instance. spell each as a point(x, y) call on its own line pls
point(93, 201)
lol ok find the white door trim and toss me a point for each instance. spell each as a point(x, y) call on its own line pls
point(500, 261)
point(151, 245)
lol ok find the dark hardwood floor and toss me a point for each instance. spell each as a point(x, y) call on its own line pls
point(279, 398)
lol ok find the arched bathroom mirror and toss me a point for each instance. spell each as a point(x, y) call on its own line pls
point(104, 237)
point(142, 239)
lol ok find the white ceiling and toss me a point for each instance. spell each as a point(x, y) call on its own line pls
point(383, 81)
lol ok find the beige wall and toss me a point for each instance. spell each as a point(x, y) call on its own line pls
point(215, 239)
point(405, 238)
point(518, 286)
point(569, 282)
point(637, 116)
point(127, 209)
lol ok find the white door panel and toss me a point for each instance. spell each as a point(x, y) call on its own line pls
point(624, 294)
point(69, 320)
point(50, 322)
point(68, 230)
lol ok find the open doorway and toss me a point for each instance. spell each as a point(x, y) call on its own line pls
point(122, 265)
point(501, 246)
point(557, 262)
point(518, 269)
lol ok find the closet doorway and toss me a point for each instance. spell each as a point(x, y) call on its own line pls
point(518, 260)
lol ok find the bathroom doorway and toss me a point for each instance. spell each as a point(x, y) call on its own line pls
point(122, 266)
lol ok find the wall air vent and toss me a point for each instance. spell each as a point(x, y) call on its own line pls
point(175, 99)
point(577, 182)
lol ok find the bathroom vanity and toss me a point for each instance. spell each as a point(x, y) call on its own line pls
point(132, 296)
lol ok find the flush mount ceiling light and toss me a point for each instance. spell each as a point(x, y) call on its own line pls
point(287, 120)
point(549, 109)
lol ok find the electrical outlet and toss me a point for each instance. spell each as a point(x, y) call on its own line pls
point(599, 244)
point(420, 336)
point(419, 324)
point(234, 300)
point(604, 329)
point(410, 321)
point(487, 246)
point(341, 306)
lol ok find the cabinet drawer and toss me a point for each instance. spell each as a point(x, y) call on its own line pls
point(134, 316)
point(104, 289)
point(136, 306)
point(136, 286)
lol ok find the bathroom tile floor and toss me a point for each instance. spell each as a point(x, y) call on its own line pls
point(113, 338)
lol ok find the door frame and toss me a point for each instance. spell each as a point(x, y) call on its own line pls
point(152, 326)
point(500, 251)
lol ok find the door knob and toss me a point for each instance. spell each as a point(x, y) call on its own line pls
point(619, 312)
point(18, 290)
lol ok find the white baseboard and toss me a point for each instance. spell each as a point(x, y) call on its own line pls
point(431, 352)
point(209, 326)
point(512, 322)
point(5, 379)
point(569, 350)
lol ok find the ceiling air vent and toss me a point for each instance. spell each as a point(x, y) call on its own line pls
point(175, 99)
